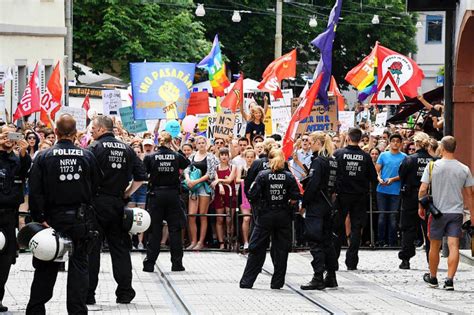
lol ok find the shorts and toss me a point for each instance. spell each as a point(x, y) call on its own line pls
point(449, 224)
point(139, 196)
point(201, 191)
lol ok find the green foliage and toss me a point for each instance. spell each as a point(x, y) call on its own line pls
point(110, 34)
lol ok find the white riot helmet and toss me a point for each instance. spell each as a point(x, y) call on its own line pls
point(3, 241)
point(45, 243)
point(136, 220)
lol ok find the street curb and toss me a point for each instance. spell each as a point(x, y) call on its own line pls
point(466, 258)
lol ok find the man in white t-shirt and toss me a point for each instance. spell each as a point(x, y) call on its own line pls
point(450, 180)
point(239, 160)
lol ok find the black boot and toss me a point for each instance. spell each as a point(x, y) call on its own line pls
point(177, 267)
point(330, 280)
point(405, 264)
point(3, 308)
point(317, 283)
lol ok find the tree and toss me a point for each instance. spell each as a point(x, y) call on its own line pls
point(249, 45)
point(110, 34)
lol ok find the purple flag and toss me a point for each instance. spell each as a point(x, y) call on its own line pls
point(324, 42)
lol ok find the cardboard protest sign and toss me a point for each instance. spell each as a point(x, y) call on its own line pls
point(295, 101)
point(112, 102)
point(129, 123)
point(380, 123)
point(79, 115)
point(211, 123)
point(320, 119)
point(224, 126)
point(346, 118)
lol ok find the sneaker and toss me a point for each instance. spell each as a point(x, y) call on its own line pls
point(405, 264)
point(140, 246)
point(432, 281)
point(246, 246)
point(448, 285)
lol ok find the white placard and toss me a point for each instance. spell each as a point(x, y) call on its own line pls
point(380, 123)
point(79, 115)
point(346, 118)
point(112, 102)
point(286, 100)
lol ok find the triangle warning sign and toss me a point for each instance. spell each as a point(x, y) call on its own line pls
point(388, 92)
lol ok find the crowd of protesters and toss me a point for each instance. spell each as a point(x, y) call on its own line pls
point(220, 196)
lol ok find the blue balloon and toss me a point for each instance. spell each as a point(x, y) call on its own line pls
point(173, 128)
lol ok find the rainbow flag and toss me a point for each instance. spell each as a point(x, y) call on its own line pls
point(216, 68)
point(364, 76)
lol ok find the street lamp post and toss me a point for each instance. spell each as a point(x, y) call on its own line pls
point(278, 36)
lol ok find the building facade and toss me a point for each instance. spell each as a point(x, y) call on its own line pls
point(31, 31)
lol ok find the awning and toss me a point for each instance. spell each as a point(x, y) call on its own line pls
point(413, 105)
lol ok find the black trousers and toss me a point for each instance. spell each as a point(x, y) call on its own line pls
point(46, 272)
point(356, 206)
point(164, 204)
point(319, 233)
point(277, 225)
point(109, 214)
point(409, 224)
point(8, 254)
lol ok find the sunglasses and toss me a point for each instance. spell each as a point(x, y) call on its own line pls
point(31, 138)
point(304, 139)
point(219, 142)
point(411, 149)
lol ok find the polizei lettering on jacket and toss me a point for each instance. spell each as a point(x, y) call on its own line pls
point(353, 157)
point(277, 190)
point(114, 145)
point(75, 152)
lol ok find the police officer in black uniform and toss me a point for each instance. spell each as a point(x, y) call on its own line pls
point(13, 171)
point(355, 171)
point(317, 200)
point(164, 204)
point(410, 173)
point(275, 192)
point(120, 164)
point(62, 182)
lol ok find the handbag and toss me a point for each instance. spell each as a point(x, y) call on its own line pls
point(194, 174)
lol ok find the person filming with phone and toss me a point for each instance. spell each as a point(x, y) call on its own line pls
point(449, 181)
point(13, 171)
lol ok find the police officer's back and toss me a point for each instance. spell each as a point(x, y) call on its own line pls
point(317, 201)
point(355, 172)
point(13, 171)
point(120, 164)
point(62, 182)
point(272, 192)
point(410, 172)
point(164, 203)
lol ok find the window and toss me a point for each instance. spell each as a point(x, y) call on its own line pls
point(434, 28)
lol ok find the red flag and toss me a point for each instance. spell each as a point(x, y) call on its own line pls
point(405, 71)
point(86, 104)
point(335, 90)
point(198, 103)
point(236, 95)
point(302, 111)
point(51, 100)
point(281, 68)
point(30, 102)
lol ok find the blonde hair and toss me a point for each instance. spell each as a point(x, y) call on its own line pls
point(247, 151)
point(327, 146)
point(254, 109)
point(422, 140)
point(268, 145)
point(164, 138)
point(277, 160)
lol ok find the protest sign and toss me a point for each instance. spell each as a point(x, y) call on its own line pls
point(211, 123)
point(161, 89)
point(380, 123)
point(129, 123)
point(320, 119)
point(111, 101)
point(346, 118)
point(79, 115)
point(295, 101)
point(203, 122)
point(198, 103)
point(240, 125)
point(268, 122)
point(224, 126)
point(281, 116)
point(285, 101)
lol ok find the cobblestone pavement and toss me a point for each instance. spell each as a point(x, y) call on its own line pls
point(210, 286)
